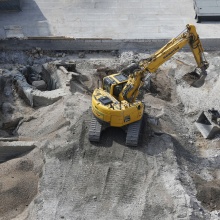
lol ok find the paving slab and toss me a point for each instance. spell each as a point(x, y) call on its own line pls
point(116, 19)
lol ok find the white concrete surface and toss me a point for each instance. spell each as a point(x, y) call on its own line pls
point(116, 19)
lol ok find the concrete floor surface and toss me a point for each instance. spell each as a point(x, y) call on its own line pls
point(116, 19)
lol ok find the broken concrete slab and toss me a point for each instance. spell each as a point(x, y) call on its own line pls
point(47, 97)
point(10, 150)
point(40, 85)
point(206, 125)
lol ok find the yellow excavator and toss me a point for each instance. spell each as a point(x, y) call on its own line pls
point(115, 104)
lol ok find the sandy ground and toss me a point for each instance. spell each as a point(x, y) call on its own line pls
point(174, 173)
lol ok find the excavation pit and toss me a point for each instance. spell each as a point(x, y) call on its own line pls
point(44, 87)
point(208, 192)
point(194, 79)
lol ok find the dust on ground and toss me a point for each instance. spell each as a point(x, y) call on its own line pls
point(173, 174)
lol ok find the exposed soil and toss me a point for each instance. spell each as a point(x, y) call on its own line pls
point(208, 193)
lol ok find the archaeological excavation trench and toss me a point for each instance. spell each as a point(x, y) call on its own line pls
point(50, 170)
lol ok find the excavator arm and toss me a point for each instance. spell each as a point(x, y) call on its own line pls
point(190, 37)
point(131, 89)
point(151, 64)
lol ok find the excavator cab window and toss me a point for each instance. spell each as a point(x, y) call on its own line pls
point(107, 83)
point(117, 89)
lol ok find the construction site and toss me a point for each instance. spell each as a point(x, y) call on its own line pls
point(108, 110)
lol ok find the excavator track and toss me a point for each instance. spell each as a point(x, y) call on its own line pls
point(133, 133)
point(95, 130)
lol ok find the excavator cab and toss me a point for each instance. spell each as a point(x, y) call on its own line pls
point(114, 84)
point(107, 84)
point(117, 89)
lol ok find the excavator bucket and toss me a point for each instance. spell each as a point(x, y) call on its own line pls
point(195, 78)
point(208, 124)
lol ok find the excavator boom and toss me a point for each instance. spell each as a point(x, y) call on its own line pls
point(189, 37)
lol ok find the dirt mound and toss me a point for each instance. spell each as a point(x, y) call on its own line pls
point(208, 192)
point(18, 184)
point(161, 85)
point(17, 191)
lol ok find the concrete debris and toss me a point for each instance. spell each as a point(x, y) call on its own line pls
point(32, 86)
point(114, 53)
point(10, 150)
point(81, 55)
point(47, 97)
point(40, 85)
point(208, 123)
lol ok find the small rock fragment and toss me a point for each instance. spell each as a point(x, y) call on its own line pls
point(81, 55)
